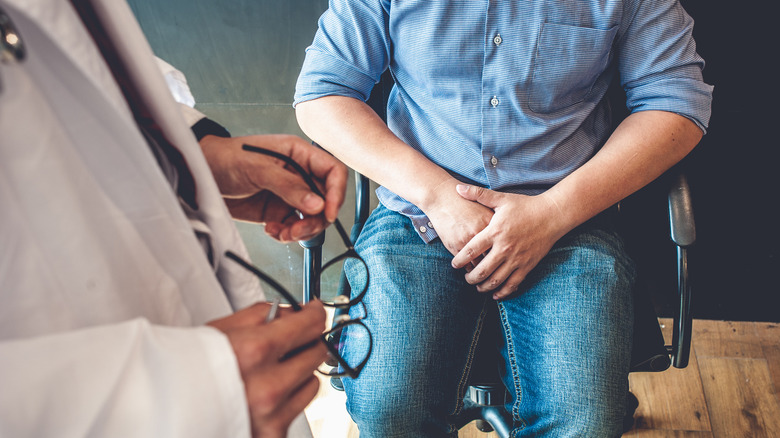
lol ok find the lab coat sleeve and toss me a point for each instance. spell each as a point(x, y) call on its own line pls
point(180, 90)
point(127, 379)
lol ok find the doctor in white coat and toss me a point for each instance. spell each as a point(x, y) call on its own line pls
point(119, 314)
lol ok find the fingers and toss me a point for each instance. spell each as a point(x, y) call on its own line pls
point(493, 276)
point(290, 188)
point(251, 316)
point(473, 251)
point(279, 391)
point(276, 391)
point(489, 267)
point(281, 223)
point(510, 286)
point(297, 328)
point(328, 169)
point(297, 229)
point(484, 196)
point(273, 418)
point(322, 166)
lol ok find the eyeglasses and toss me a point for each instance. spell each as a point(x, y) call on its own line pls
point(343, 326)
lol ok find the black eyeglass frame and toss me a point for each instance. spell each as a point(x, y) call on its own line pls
point(344, 368)
point(350, 252)
point(340, 323)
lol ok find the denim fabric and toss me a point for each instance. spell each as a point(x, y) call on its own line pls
point(566, 340)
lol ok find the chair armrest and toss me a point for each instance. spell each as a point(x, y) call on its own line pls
point(681, 221)
point(683, 234)
point(362, 203)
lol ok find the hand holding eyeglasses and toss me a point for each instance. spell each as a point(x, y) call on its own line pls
point(338, 365)
point(276, 391)
point(263, 189)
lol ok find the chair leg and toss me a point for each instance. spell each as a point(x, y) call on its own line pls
point(631, 404)
point(336, 383)
point(483, 426)
point(484, 403)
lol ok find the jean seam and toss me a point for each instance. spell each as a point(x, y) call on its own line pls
point(512, 359)
point(469, 362)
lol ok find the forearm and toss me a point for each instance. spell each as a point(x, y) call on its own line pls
point(354, 133)
point(643, 147)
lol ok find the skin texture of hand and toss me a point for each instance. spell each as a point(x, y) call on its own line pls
point(520, 234)
point(456, 219)
point(261, 189)
point(524, 228)
point(276, 392)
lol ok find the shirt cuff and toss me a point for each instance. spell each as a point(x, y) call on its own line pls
point(206, 126)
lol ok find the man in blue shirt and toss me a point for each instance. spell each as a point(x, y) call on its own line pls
point(498, 169)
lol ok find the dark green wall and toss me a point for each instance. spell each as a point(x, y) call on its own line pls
point(241, 59)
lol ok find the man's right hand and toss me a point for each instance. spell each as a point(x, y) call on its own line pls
point(276, 392)
point(455, 219)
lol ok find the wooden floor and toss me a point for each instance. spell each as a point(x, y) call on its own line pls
point(731, 388)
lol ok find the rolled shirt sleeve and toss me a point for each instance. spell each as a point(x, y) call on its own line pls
point(349, 52)
point(659, 66)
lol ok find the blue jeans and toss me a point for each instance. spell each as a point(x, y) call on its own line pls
point(566, 336)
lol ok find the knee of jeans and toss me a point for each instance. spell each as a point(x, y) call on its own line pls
point(392, 411)
point(572, 412)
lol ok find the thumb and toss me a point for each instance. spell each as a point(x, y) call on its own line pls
point(484, 196)
point(294, 192)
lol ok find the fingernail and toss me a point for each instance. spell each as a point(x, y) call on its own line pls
point(313, 202)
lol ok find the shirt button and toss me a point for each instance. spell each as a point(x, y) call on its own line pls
point(494, 161)
point(423, 229)
point(497, 40)
point(430, 225)
point(494, 101)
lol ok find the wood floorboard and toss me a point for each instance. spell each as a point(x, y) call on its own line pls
point(729, 389)
point(738, 390)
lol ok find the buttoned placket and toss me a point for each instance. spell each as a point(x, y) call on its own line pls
point(495, 100)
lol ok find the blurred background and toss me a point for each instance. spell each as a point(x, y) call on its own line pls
point(242, 58)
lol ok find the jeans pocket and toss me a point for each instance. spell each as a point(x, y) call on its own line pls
point(567, 62)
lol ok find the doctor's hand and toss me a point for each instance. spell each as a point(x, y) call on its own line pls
point(262, 189)
point(276, 392)
point(521, 232)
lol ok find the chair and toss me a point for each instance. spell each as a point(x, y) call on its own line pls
point(484, 400)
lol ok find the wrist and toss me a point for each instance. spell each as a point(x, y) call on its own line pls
point(440, 194)
point(560, 215)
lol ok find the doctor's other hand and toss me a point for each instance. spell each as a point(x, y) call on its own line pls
point(276, 392)
point(263, 189)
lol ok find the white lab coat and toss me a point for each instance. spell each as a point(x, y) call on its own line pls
point(103, 285)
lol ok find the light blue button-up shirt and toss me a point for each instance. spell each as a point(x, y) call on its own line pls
point(506, 94)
